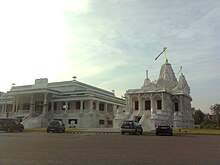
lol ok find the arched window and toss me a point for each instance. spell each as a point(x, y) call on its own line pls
point(136, 104)
point(176, 106)
point(147, 105)
point(159, 104)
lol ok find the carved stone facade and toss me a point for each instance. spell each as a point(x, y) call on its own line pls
point(165, 101)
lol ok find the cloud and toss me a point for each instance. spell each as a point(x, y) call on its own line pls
point(110, 43)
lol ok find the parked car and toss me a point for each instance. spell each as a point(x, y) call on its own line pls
point(164, 130)
point(131, 127)
point(56, 126)
point(10, 125)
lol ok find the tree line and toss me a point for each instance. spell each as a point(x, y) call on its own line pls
point(210, 120)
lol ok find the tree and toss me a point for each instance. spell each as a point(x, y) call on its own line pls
point(198, 116)
point(215, 109)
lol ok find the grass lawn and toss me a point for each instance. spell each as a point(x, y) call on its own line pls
point(198, 131)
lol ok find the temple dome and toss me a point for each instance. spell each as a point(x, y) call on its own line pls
point(167, 77)
point(183, 85)
point(147, 83)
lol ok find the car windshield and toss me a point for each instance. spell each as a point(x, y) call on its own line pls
point(54, 122)
point(128, 123)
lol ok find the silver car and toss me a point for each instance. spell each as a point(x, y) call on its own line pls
point(131, 127)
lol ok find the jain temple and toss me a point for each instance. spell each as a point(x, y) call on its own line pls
point(165, 101)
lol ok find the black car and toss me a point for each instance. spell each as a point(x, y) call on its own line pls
point(56, 126)
point(164, 130)
point(131, 127)
point(10, 125)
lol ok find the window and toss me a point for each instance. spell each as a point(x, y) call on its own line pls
point(159, 104)
point(147, 105)
point(55, 106)
point(94, 106)
point(101, 107)
point(26, 106)
point(136, 105)
point(78, 105)
point(72, 121)
point(110, 122)
point(39, 105)
point(176, 106)
point(101, 122)
point(9, 107)
point(49, 106)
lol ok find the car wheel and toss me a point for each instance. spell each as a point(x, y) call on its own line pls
point(171, 134)
point(122, 133)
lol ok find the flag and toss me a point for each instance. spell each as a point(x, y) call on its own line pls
point(161, 53)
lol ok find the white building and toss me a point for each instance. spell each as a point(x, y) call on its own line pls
point(165, 101)
point(75, 103)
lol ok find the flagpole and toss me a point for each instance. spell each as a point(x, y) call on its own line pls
point(165, 54)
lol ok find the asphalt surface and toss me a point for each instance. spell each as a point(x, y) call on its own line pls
point(41, 148)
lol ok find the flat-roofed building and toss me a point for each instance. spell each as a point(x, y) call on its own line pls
point(75, 103)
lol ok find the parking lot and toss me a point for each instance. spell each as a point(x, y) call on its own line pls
point(39, 148)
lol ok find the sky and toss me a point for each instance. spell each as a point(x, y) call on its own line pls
point(110, 44)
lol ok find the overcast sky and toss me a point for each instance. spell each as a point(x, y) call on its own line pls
point(110, 43)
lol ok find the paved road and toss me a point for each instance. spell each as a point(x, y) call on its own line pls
point(40, 148)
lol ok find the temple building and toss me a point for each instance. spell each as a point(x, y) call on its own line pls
point(75, 103)
point(165, 101)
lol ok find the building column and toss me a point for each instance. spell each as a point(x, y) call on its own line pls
point(181, 104)
point(139, 104)
point(66, 107)
point(81, 106)
point(106, 108)
point(97, 106)
point(90, 105)
point(45, 103)
point(52, 106)
point(128, 102)
point(5, 107)
point(114, 109)
point(16, 109)
point(13, 107)
point(163, 101)
point(153, 113)
point(31, 106)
